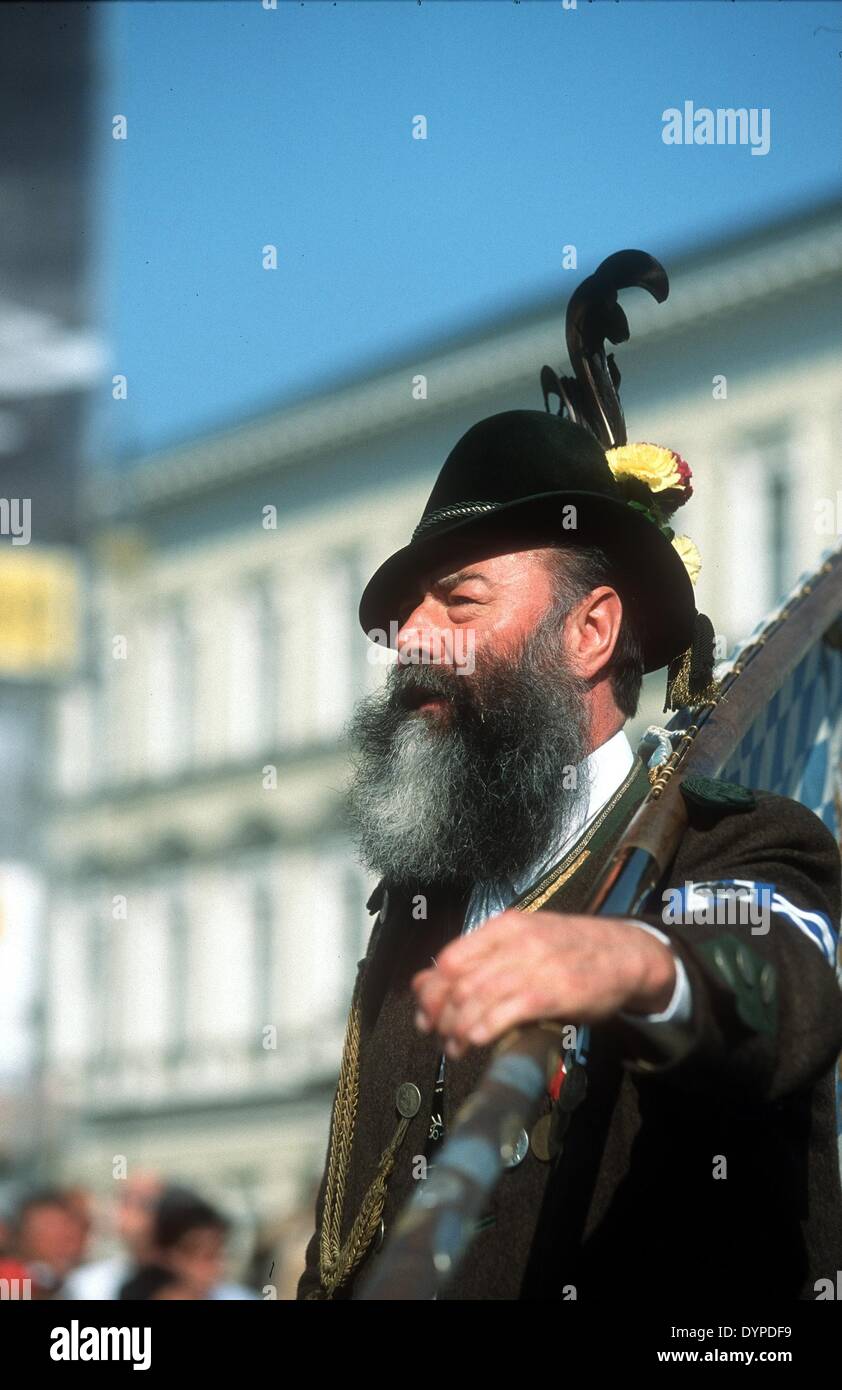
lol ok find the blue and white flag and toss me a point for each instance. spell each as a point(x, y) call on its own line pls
point(794, 748)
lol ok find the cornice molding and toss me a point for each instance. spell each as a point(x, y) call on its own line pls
point(708, 287)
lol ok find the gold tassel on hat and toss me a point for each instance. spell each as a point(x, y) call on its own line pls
point(690, 676)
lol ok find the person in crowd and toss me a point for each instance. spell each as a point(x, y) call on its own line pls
point(136, 1202)
point(50, 1234)
point(189, 1238)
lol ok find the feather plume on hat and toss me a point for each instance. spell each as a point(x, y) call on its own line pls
point(653, 479)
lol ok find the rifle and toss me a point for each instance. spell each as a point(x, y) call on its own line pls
point(434, 1230)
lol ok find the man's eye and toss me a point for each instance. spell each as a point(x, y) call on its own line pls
point(461, 598)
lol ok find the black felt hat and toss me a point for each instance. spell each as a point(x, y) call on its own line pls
point(524, 475)
point(530, 476)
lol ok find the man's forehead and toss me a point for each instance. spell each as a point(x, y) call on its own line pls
point(487, 565)
point(445, 574)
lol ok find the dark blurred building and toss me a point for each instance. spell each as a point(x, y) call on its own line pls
point(48, 360)
point(48, 354)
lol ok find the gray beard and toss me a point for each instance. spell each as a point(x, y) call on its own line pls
point(478, 791)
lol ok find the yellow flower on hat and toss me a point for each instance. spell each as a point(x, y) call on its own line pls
point(658, 468)
point(689, 554)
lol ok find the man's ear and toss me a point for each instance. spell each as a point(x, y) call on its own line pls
point(592, 629)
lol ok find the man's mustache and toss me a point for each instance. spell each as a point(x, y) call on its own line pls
point(411, 685)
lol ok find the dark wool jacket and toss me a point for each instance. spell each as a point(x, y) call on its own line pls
point(632, 1207)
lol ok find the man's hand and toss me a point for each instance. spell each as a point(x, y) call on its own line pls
point(521, 966)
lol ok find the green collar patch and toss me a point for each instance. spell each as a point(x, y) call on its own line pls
point(712, 794)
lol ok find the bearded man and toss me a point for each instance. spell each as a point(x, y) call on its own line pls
point(687, 1143)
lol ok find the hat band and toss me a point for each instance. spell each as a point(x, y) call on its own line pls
point(447, 513)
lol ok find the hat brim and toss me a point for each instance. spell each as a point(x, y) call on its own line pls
point(651, 575)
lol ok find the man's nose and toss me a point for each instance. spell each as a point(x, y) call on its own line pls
point(420, 637)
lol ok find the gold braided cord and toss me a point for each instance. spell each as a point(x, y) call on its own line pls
point(341, 1135)
point(368, 1218)
point(535, 903)
point(338, 1261)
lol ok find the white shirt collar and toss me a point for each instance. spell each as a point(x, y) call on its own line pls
point(605, 768)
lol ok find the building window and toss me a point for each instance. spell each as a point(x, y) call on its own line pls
point(100, 661)
point(73, 1034)
point(252, 670)
point(102, 993)
point(757, 517)
point(263, 959)
point(170, 692)
point(177, 978)
point(74, 739)
point(332, 653)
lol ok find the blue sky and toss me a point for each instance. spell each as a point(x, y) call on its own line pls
point(293, 127)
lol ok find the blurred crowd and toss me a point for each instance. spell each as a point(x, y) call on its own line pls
point(167, 1241)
